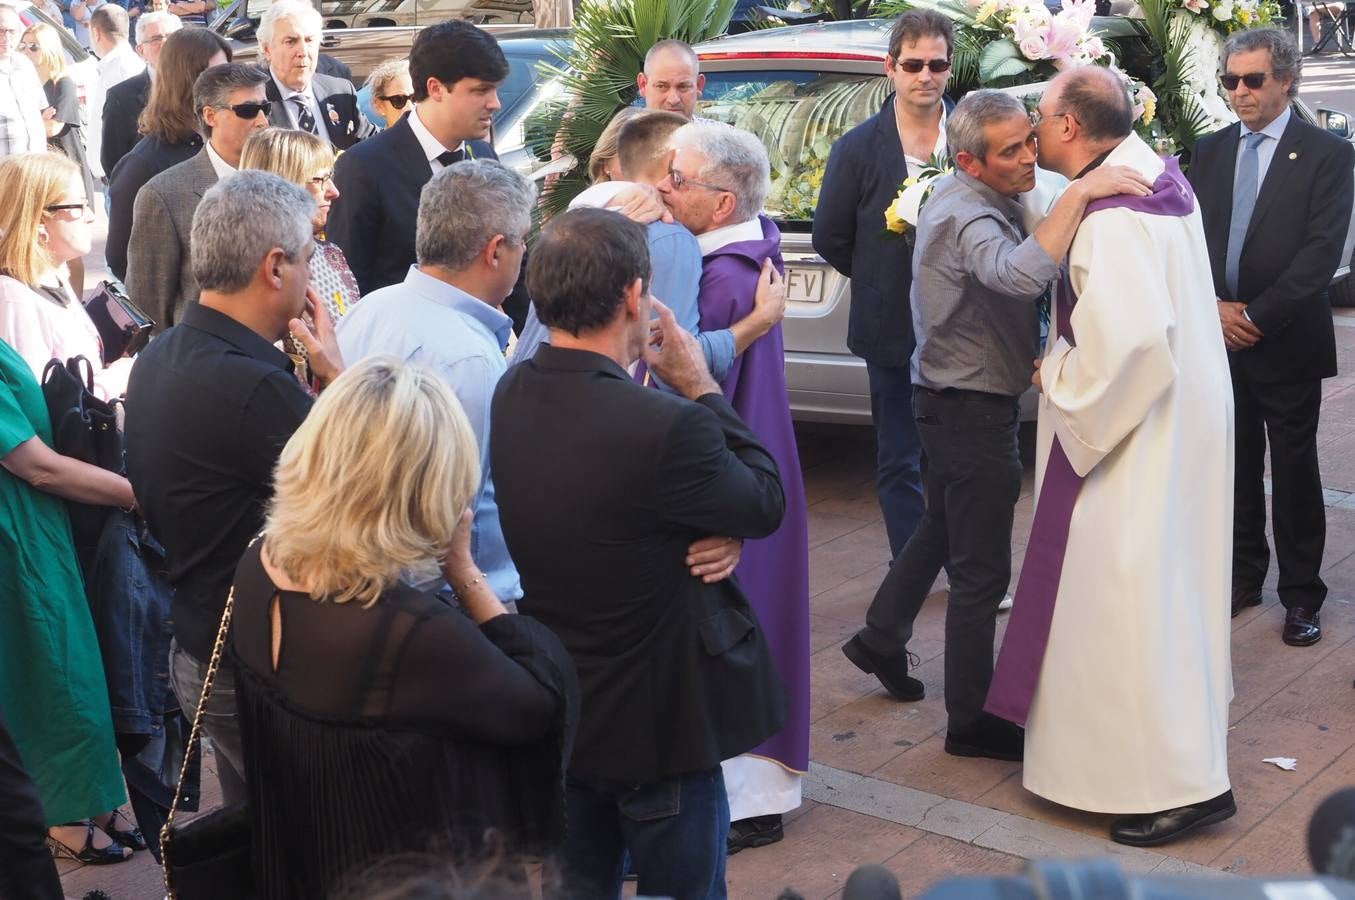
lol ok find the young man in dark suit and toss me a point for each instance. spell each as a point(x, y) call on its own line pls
point(673, 666)
point(289, 34)
point(1275, 194)
point(456, 70)
point(865, 169)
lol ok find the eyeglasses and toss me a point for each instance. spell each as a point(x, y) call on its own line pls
point(913, 66)
point(10, 32)
point(1036, 117)
point(396, 100)
point(1253, 80)
point(30, 48)
point(153, 39)
point(250, 110)
point(322, 180)
point(680, 181)
point(62, 207)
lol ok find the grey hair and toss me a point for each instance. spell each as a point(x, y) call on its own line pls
point(240, 219)
point(735, 160)
point(385, 73)
point(465, 205)
point(215, 85)
point(144, 21)
point(286, 9)
point(676, 46)
point(966, 123)
point(1285, 59)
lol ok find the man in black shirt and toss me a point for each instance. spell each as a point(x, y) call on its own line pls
point(210, 404)
point(674, 669)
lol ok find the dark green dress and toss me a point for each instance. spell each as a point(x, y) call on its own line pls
point(52, 683)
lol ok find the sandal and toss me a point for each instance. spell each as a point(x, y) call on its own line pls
point(89, 854)
point(131, 838)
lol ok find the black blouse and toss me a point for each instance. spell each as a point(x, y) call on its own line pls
point(401, 727)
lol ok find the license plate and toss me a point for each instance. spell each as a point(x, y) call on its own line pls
point(804, 284)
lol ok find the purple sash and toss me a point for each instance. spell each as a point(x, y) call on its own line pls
point(1017, 673)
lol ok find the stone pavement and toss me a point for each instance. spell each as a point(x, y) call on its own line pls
point(882, 790)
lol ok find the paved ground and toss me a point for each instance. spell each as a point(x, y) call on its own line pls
point(881, 789)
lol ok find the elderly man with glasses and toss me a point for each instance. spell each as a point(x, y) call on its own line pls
point(230, 105)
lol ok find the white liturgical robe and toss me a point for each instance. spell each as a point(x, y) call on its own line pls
point(1131, 710)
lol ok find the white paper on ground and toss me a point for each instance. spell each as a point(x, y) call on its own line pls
point(1289, 764)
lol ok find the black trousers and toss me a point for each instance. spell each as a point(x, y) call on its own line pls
point(27, 871)
point(1285, 417)
point(973, 480)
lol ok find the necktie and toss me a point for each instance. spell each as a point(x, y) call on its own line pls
point(304, 120)
point(447, 157)
point(1244, 200)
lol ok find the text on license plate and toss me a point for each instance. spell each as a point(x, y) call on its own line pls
point(805, 284)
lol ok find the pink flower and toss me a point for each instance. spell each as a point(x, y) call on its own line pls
point(1080, 11)
point(1034, 47)
point(1196, 6)
point(1093, 47)
point(1064, 37)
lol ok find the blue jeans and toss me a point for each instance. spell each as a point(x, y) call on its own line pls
point(675, 831)
point(898, 462)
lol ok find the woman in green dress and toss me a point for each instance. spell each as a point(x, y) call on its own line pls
point(51, 679)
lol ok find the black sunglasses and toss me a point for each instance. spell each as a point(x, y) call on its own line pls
point(250, 110)
point(396, 100)
point(1253, 80)
point(914, 66)
point(31, 48)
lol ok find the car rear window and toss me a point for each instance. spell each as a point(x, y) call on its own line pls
point(523, 74)
point(798, 114)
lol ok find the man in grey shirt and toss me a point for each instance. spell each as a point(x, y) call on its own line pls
point(976, 279)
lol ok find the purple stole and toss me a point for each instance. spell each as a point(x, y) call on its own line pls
point(1017, 672)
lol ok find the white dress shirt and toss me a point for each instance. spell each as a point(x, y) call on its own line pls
point(308, 97)
point(432, 147)
point(1265, 152)
point(219, 165)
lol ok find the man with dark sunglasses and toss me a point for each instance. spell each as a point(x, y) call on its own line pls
point(1275, 193)
point(864, 172)
point(230, 106)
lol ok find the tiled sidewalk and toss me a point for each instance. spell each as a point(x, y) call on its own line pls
point(882, 790)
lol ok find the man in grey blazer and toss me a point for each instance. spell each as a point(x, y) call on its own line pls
point(230, 106)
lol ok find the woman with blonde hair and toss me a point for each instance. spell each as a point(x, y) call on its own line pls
point(392, 91)
point(602, 163)
point(376, 717)
point(170, 128)
point(308, 161)
point(45, 223)
point(65, 131)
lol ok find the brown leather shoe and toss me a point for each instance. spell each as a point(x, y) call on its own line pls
point(1301, 627)
point(1244, 598)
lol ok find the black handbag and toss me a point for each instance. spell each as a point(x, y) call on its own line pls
point(208, 858)
point(123, 328)
point(84, 427)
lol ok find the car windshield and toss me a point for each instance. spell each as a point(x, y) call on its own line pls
point(798, 114)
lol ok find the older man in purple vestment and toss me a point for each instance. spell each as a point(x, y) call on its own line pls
point(717, 182)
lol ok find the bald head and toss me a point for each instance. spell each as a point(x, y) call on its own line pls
point(1099, 101)
point(671, 80)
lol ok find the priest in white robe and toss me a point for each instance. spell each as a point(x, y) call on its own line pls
point(1117, 656)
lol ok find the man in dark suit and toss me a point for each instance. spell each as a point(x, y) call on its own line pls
point(865, 169)
point(1275, 194)
point(456, 70)
point(674, 669)
point(124, 101)
point(289, 34)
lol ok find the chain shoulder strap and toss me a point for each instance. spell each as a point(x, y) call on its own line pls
point(195, 734)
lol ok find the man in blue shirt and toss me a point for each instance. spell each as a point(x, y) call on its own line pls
point(472, 229)
point(644, 152)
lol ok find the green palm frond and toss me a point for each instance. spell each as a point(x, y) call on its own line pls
point(610, 39)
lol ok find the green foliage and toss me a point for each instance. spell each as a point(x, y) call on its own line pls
point(1001, 62)
point(610, 39)
point(1182, 116)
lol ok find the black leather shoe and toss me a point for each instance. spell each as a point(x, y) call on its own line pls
point(991, 738)
point(892, 671)
point(1152, 829)
point(1243, 599)
point(758, 831)
point(1301, 627)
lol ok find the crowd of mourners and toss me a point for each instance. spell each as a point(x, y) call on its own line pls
point(503, 555)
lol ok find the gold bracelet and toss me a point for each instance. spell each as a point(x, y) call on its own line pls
point(461, 591)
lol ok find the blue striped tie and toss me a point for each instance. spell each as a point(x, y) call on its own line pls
point(1244, 200)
